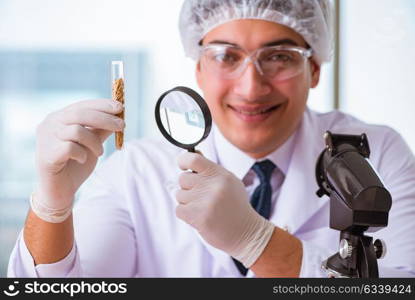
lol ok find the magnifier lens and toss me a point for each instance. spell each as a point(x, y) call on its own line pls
point(183, 117)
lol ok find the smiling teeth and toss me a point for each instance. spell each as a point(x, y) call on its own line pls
point(253, 113)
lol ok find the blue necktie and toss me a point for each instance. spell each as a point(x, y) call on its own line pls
point(261, 198)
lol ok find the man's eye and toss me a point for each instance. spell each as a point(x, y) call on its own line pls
point(225, 58)
point(279, 57)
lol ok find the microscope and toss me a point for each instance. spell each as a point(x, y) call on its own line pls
point(359, 202)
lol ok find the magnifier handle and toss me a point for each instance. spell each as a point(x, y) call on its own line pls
point(193, 150)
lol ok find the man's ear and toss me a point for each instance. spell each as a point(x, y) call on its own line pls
point(198, 73)
point(315, 73)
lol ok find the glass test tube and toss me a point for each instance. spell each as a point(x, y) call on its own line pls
point(117, 79)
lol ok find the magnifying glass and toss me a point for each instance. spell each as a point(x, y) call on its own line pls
point(183, 117)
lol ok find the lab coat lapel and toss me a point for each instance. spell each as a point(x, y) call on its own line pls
point(298, 202)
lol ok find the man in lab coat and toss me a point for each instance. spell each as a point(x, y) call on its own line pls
point(141, 215)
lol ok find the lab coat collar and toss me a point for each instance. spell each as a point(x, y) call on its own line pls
point(231, 157)
point(239, 163)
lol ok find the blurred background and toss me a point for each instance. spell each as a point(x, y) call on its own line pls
point(56, 52)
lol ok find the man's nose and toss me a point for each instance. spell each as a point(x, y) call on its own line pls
point(251, 85)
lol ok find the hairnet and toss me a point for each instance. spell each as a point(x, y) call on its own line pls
point(312, 19)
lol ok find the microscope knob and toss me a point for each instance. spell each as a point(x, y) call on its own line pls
point(346, 249)
point(380, 248)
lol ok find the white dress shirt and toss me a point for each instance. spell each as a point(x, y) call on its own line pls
point(125, 222)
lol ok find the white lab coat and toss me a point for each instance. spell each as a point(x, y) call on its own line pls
point(125, 222)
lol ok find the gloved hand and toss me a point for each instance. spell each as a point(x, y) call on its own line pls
point(215, 202)
point(69, 143)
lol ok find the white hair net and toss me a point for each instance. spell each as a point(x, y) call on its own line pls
point(312, 19)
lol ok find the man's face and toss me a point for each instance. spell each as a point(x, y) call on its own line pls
point(236, 104)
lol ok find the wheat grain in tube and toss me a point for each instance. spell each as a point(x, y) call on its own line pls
point(117, 73)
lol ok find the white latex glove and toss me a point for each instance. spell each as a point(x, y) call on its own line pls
point(215, 202)
point(68, 144)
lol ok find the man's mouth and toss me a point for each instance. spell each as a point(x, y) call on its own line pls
point(254, 113)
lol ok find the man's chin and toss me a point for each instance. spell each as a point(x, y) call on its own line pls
point(252, 146)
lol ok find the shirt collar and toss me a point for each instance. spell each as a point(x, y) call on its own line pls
point(236, 161)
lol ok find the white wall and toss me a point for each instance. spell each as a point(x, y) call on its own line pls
point(378, 63)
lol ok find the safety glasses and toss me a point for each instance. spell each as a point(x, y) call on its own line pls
point(275, 62)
